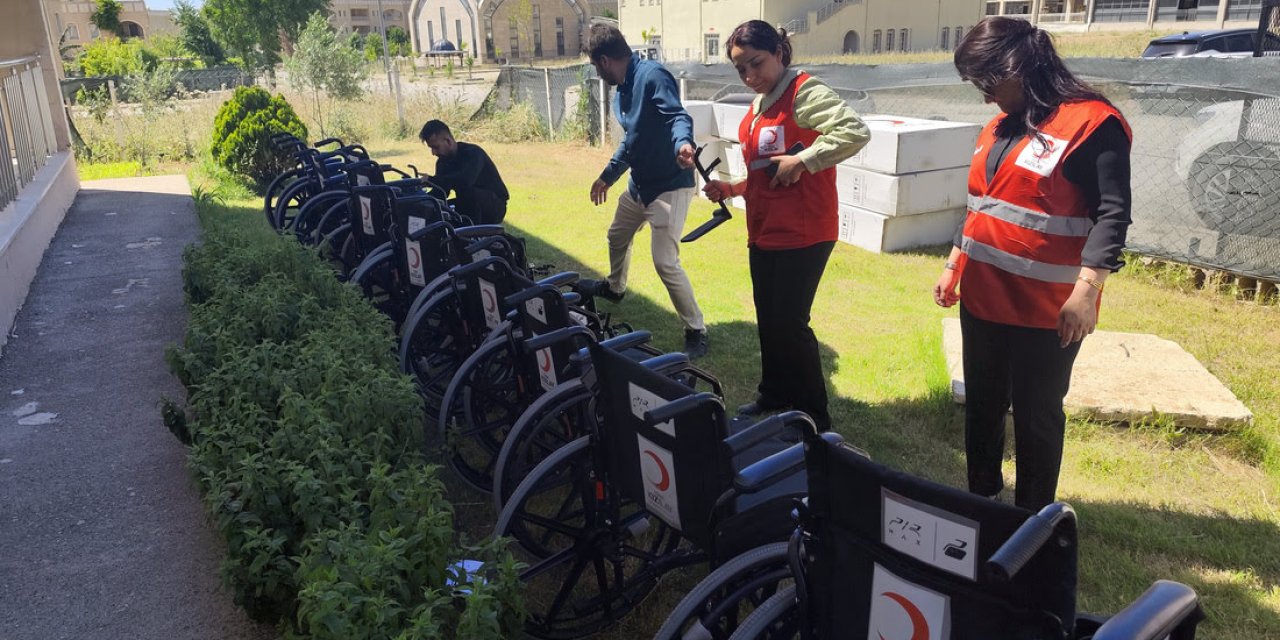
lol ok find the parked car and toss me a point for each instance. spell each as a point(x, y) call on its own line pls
point(1217, 43)
point(1231, 166)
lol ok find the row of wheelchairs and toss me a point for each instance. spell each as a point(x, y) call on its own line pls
point(613, 465)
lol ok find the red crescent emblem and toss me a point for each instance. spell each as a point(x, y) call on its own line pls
point(919, 625)
point(415, 260)
point(772, 135)
point(489, 303)
point(665, 482)
point(545, 358)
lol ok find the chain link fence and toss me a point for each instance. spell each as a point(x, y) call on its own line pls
point(1206, 150)
point(191, 80)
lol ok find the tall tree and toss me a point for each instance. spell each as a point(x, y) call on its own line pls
point(322, 64)
point(107, 17)
point(253, 29)
point(196, 34)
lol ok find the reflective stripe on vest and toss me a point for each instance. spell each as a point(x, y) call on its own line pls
point(1018, 265)
point(1030, 218)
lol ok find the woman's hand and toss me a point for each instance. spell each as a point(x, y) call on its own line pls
point(944, 293)
point(717, 190)
point(1078, 316)
point(789, 170)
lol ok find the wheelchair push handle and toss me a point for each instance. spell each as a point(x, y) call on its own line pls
point(1018, 550)
point(559, 335)
point(681, 406)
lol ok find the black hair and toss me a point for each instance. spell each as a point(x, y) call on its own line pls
point(999, 48)
point(761, 35)
point(433, 127)
point(604, 40)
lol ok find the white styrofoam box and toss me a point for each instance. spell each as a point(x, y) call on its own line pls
point(880, 233)
point(909, 145)
point(733, 162)
point(728, 118)
point(903, 195)
point(704, 120)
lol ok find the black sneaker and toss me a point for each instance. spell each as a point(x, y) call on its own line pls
point(761, 406)
point(695, 343)
point(600, 289)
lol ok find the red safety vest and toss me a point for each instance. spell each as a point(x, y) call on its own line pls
point(803, 214)
point(1026, 229)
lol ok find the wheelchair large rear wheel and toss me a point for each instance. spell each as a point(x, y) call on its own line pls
point(482, 402)
point(433, 344)
point(555, 419)
point(379, 280)
point(589, 562)
point(777, 619)
point(724, 599)
point(276, 188)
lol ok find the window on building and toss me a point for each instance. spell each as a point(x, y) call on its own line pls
point(360, 13)
point(537, 32)
point(73, 32)
point(431, 33)
point(513, 38)
point(888, 40)
point(959, 36)
point(1121, 10)
point(945, 41)
point(656, 40)
point(711, 42)
point(488, 37)
point(875, 41)
point(560, 36)
point(1250, 10)
point(993, 7)
point(903, 40)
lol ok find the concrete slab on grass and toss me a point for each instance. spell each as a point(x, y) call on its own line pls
point(1126, 377)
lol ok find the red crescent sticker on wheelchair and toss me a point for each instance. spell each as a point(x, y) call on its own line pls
point(415, 260)
point(919, 625)
point(664, 479)
point(544, 358)
point(490, 304)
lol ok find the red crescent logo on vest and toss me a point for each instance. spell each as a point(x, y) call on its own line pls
point(664, 482)
point(772, 135)
point(545, 358)
point(489, 303)
point(919, 626)
point(1045, 151)
point(415, 260)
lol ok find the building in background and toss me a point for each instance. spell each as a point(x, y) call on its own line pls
point(361, 16)
point(1131, 15)
point(68, 20)
point(503, 30)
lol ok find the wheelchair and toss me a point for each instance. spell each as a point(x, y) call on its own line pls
point(317, 172)
point(495, 385)
point(325, 213)
point(880, 553)
point(659, 484)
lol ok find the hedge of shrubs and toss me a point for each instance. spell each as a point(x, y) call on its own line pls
point(305, 442)
point(242, 134)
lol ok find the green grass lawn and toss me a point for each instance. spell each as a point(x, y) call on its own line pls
point(1154, 502)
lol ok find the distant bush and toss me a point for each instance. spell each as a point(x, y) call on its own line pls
point(242, 134)
point(110, 56)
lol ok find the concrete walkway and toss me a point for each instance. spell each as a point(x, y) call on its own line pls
point(102, 533)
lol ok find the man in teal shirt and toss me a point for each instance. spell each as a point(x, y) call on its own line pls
point(658, 148)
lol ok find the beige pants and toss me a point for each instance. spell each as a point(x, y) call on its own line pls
point(665, 216)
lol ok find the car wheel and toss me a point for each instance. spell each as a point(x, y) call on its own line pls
point(1235, 188)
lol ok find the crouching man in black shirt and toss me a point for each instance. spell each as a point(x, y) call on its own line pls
point(466, 170)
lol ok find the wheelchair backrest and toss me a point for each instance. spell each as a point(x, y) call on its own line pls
point(902, 556)
point(370, 212)
point(482, 290)
point(539, 315)
point(427, 257)
point(677, 469)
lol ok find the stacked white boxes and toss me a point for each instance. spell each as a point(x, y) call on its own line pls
point(907, 188)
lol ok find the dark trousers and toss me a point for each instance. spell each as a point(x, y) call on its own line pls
point(483, 207)
point(1025, 367)
point(784, 283)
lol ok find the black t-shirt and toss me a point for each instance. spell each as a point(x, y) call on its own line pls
point(1100, 167)
point(470, 167)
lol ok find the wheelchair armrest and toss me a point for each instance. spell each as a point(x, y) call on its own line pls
point(1009, 559)
point(431, 228)
point(559, 335)
point(327, 141)
point(665, 363)
point(480, 231)
point(470, 269)
point(527, 293)
point(1167, 609)
point(766, 472)
point(386, 168)
point(682, 405)
point(560, 279)
point(767, 428)
point(627, 340)
point(488, 241)
point(572, 297)
point(416, 184)
point(372, 188)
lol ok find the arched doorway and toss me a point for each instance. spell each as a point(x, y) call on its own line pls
point(130, 29)
point(850, 42)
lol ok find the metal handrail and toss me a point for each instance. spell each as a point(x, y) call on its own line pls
point(13, 62)
point(26, 125)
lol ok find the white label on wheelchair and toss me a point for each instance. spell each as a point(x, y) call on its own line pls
point(643, 400)
point(413, 249)
point(416, 223)
point(489, 302)
point(481, 255)
point(537, 308)
point(930, 535)
point(658, 471)
point(900, 609)
point(578, 318)
point(366, 214)
point(546, 368)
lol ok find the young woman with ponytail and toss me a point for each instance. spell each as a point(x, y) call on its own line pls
point(794, 135)
point(1049, 207)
